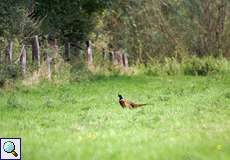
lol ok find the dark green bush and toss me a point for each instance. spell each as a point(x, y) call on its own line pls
point(11, 72)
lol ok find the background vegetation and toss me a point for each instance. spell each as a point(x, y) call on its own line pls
point(178, 54)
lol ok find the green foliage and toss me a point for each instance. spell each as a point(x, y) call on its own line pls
point(9, 72)
point(171, 66)
point(69, 20)
point(188, 66)
point(80, 72)
point(15, 20)
point(152, 28)
point(205, 66)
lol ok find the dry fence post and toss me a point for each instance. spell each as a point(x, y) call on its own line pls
point(111, 57)
point(9, 52)
point(48, 62)
point(56, 50)
point(77, 49)
point(36, 50)
point(89, 52)
point(54, 45)
point(104, 55)
point(0, 57)
point(23, 60)
point(125, 60)
point(115, 60)
point(119, 58)
point(67, 51)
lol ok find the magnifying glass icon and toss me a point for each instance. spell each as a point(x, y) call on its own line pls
point(9, 147)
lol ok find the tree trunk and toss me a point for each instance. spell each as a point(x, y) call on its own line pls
point(23, 60)
point(89, 53)
point(206, 39)
point(36, 51)
point(220, 24)
point(67, 51)
point(9, 52)
point(125, 61)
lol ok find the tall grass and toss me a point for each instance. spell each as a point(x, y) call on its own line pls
point(189, 66)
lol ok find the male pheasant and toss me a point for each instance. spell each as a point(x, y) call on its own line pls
point(128, 104)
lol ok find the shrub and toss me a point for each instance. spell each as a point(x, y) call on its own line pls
point(11, 72)
point(204, 66)
point(171, 66)
point(189, 66)
point(152, 69)
point(80, 72)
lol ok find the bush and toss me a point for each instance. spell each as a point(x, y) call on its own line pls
point(189, 66)
point(7, 72)
point(171, 66)
point(205, 66)
point(80, 72)
point(151, 69)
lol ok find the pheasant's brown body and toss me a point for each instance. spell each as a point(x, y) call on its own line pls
point(127, 104)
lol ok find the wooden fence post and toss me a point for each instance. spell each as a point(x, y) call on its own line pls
point(77, 49)
point(104, 55)
point(67, 51)
point(111, 57)
point(55, 47)
point(48, 62)
point(23, 60)
point(9, 52)
point(115, 62)
point(89, 52)
point(125, 60)
point(36, 50)
point(0, 57)
point(119, 58)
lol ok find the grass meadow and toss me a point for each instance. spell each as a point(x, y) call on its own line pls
point(188, 118)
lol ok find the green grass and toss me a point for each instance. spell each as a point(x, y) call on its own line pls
point(189, 119)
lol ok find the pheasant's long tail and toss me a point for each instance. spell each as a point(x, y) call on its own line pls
point(140, 105)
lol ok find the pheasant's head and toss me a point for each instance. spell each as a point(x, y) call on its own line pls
point(120, 96)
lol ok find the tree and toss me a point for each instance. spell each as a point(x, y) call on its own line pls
point(15, 20)
point(71, 20)
point(153, 28)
